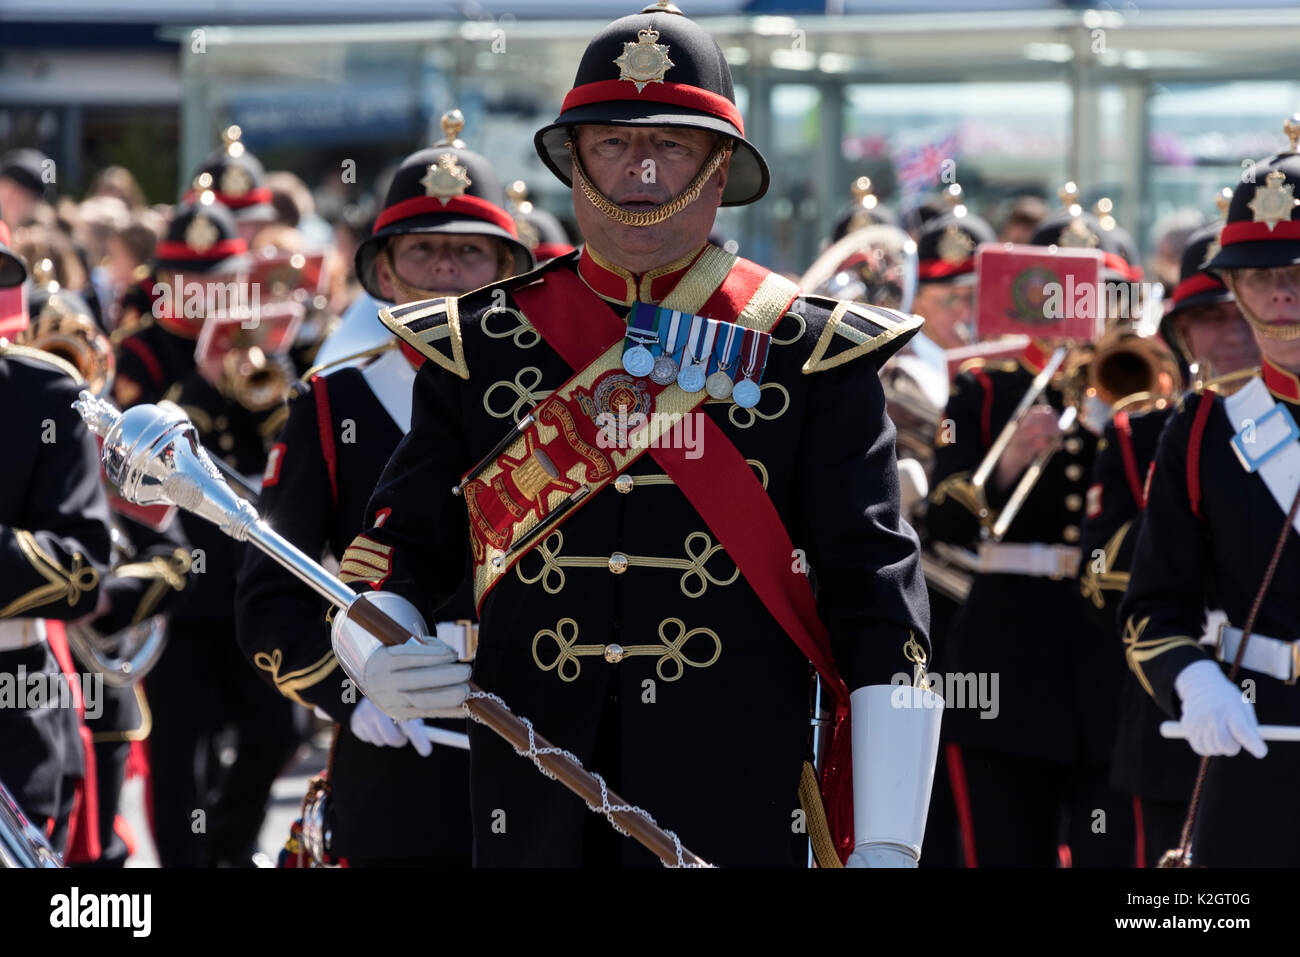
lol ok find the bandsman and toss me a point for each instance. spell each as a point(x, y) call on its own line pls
point(637, 603)
point(1220, 500)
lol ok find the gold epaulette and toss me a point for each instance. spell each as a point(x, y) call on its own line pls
point(855, 329)
point(45, 358)
point(432, 328)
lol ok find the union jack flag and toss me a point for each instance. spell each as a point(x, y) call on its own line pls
point(918, 162)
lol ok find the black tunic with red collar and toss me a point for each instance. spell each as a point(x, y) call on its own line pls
point(700, 714)
point(1210, 528)
point(152, 358)
point(387, 803)
point(1058, 676)
point(1144, 763)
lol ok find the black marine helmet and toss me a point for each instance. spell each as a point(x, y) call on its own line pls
point(444, 189)
point(946, 247)
point(1073, 227)
point(1262, 231)
point(237, 178)
point(201, 238)
point(656, 68)
point(865, 210)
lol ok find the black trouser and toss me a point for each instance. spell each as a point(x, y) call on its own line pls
point(1020, 809)
point(110, 772)
point(204, 814)
point(1247, 814)
point(1160, 827)
point(40, 747)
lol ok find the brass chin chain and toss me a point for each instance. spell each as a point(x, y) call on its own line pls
point(1269, 331)
point(648, 217)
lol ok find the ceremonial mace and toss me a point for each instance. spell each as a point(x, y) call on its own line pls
point(152, 454)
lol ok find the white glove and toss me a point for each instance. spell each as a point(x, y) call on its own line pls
point(1217, 719)
point(420, 679)
point(372, 726)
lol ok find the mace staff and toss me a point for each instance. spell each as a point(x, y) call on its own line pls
point(152, 453)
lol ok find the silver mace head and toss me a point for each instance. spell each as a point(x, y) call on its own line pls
point(152, 454)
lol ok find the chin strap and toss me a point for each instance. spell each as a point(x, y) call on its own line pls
point(1265, 329)
point(648, 217)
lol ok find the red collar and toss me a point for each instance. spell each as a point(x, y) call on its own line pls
point(618, 285)
point(1284, 385)
point(1035, 356)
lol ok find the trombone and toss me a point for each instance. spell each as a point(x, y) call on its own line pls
point(1123, 371)
point(999, 446)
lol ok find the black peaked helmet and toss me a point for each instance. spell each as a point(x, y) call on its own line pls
point(656, 68)
point(237, 178)
point(25, 167)
point(945, 250)
point(1261, 231)
point(1073, 227)
point(1197, 284)
point(539, 229)
point(865, 210)
point(202, 238)
point(13, 271)
point(444, 189)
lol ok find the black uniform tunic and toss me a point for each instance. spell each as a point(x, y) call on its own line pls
point(54, 548)
point(1213, 530)
point(710, 739)
point(387, 803)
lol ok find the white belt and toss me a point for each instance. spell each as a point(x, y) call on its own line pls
point(18, 633)
point(1268, 656)
point(1031, 558)
point(462, 635)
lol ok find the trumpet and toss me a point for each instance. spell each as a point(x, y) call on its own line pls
point(254, 380)
point(73, 337)
point(1125, 372)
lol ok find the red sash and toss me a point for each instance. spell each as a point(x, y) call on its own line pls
point(726, 493)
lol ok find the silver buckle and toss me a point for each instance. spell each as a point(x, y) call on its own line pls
point(1218, 641)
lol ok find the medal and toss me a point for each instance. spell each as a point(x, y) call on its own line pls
point(691, 376)
point(753, 351)
point(665, 367)
point(718, 384)
point(642, 331)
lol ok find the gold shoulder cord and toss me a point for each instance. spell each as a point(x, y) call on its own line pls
point(71, 584)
